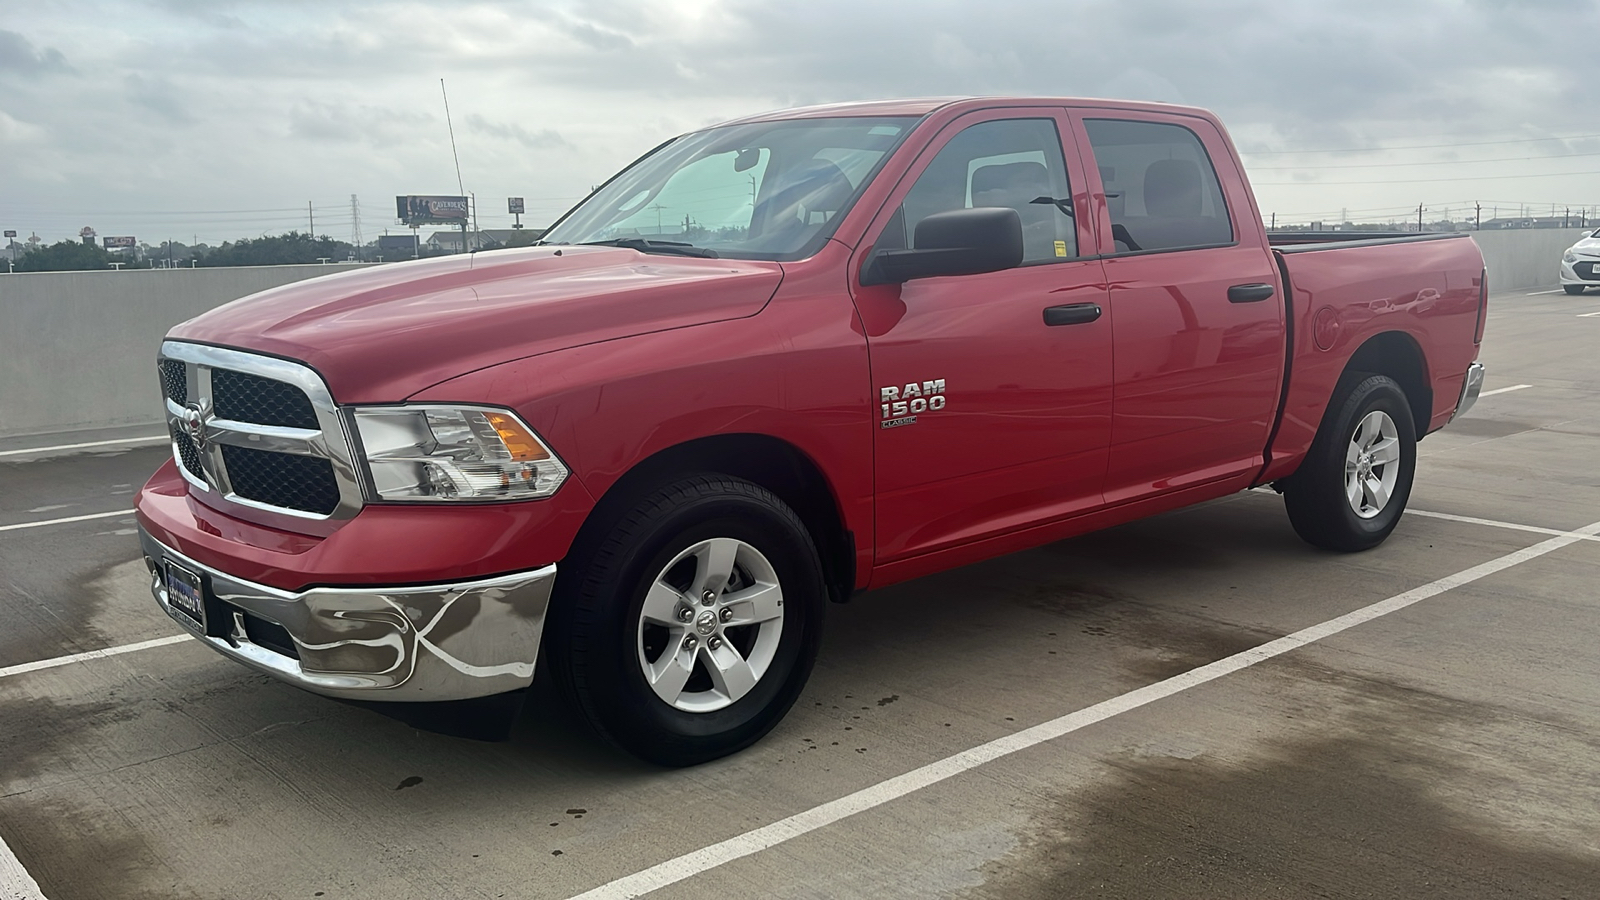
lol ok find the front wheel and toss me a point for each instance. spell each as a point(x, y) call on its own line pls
point(1354, 483)
point(689, 631)
point(1573, 288)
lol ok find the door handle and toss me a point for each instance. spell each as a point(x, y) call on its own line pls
point(1071, 314)
point(1249, 293)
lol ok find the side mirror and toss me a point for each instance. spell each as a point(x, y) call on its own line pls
point(957, 242)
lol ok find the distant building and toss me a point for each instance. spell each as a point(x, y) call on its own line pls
point(450, 241)
point(397, 246)
point(1575, 220)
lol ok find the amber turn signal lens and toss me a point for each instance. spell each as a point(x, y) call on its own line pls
point(523, 446)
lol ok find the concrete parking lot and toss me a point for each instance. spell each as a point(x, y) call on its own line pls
point(1118, 715)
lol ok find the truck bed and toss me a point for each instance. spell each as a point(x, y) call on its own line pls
point(1398, 293)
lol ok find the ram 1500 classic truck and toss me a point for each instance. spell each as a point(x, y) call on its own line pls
point(771, 363)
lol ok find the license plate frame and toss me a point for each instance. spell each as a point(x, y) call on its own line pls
point(186, 596)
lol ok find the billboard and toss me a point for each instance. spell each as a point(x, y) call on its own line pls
point(11, 232)
point(113, 243)
point(515, 205)
point(423, 209)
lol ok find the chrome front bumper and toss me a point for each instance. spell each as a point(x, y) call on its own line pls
point(440, 642)
point(1470, 387)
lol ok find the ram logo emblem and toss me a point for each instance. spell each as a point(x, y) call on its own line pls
point(901, 405)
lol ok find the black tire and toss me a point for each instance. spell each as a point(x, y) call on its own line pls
point(596, 642)
point(1319, 508)
point(1573, 289)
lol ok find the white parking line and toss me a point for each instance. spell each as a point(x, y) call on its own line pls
point(1588, 315)
point(1537, 293)
point(152, 439)
point(43, 522)
point(690, 864)
point(87, 655)
point(15, 882)
point(1492, 523)
point(1504, 390)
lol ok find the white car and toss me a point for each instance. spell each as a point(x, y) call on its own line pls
point(1580, 265)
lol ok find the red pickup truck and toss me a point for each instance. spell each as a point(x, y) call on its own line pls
point(772, 363)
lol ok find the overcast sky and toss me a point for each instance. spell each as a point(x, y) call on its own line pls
point(223, 119)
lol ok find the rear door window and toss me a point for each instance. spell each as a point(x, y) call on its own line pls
point(1161, 189)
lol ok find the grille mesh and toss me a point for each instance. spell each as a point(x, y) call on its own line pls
point(187, 454)
point(306, 483)
point(261, 401)
point(175, 381)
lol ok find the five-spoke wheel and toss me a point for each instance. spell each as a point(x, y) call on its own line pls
point(1372, 464)
point(710, 625)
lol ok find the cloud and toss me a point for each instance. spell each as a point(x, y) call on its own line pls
point(319, 100)
point(343, 123)
point(160, 96)
point(15, 132)
point(17, 54)
point(544, 138)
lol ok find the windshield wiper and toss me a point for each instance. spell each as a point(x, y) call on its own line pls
point(645, 245)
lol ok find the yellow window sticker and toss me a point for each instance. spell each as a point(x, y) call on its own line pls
point(1061, 248)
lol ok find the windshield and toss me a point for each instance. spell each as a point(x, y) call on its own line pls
point(767, 190)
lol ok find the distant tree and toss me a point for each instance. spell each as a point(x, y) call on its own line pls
point(65, 256)
point(285, 249)
point(524, 237)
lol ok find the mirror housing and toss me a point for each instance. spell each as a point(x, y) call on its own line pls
point(955, 242)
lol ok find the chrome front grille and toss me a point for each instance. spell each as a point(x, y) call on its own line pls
point(258, 436)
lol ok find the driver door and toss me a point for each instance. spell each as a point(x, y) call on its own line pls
point(994, 390)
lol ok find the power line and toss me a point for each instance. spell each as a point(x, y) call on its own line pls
point(1575, 137)
point(1437, 162)
point(1423, 180)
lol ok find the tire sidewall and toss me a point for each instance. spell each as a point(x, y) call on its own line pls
point(627, 707)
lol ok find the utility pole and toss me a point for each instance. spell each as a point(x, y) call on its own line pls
point(1419, 218)
point(1566, 217)
point(1274, 222)
point(355, 226)
point(658, 207)
point(1478, 215)
point(313, 219)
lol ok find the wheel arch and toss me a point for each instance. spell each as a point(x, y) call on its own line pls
point(1399, 356)
point(771, 462)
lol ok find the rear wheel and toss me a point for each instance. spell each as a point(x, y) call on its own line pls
point(692, 627)
point(1351, 489)
point(1573, 288)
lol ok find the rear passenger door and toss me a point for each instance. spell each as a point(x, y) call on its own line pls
point(1198, 355)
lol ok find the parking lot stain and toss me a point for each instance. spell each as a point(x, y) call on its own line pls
point(1349, 805)
point(408, 781)
point(57, 841)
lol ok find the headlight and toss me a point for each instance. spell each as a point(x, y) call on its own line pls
point(455, 453)
point(1569, 257)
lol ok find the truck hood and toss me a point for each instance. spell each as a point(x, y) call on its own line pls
point(381, 334)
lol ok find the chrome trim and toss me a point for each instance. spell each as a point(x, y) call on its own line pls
point(1470, 388)
point(378, 643)
point(330, 440)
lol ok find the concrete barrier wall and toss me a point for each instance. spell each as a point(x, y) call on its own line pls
point(78, 349)
point(1521, 258)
